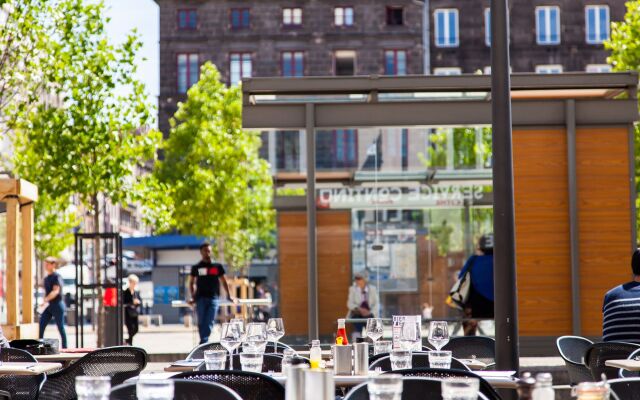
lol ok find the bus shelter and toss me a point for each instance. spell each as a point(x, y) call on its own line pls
point(573, 152)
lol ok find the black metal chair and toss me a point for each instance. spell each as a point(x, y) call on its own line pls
point(412, 388)
point(623, 373)
point(572, 349)
point(119, 363)
point(418, 360)
point(198, 351)
point(4, 395)
point(184, 390)
point(270, 362)
point(485, 388)
point(482, 348)
point(20, 387)
point(626, 389)
point(598, 353)
point(249, 385)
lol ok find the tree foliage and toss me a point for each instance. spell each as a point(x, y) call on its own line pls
point(624, 45)
point(217, 183)
point(467, 150)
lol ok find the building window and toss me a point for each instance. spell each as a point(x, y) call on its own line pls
point(240, 18)
point(549, 69)
point(487, 26)
point(447, 71)
point(188, 71)
point(548, 25)
point(395, 16)
point(292, 63)
point(446, 27)
point(239, 67)
point(343, 16)
point(345, 62)
point(337, 149)
point(187, 19)
point(292, 16)
point(395, 62)
point(597, 23)
point(598, 68)
point(288, 150)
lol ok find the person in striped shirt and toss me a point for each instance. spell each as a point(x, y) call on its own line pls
point(621, 308)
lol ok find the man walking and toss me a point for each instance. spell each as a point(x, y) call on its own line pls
point(53, 299)
point(621, 308)
point(206, 277)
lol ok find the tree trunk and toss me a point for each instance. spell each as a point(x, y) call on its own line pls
point(96, 264)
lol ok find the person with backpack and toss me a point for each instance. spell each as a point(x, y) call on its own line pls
point(479, 302)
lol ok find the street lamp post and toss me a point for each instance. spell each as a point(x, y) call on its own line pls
point(506, 296)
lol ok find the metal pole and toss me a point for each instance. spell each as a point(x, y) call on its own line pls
point(506, 295)
point(312, 256)
point(570, 116)
point(426, 44)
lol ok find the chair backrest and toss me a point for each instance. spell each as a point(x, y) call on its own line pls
point(598, 353)
point(119, 363)
point(482, 348)
point(626, 389)
point(10, 354)
point(412, 388)
point(623, 373)
point(22, 387)
point(418, 360)
point(198, 351)
point(485, 388)
point(249, 385)
point(4, 395)
point(573, 348)
point(183, 390)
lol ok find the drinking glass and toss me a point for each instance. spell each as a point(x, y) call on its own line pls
point(438, 334)
point(275, 330)
point(460, 388)
point(93, 387)
point(257, 336)
point(385, 387)
point(382, 346)
point(287, 358)
point(154, 389)
point(400, 359)
point(374, 328)
point(409, 334)
point(251, 361)
point(240, 322)
point(440, 359)
point(231, 338)
point(214, 359)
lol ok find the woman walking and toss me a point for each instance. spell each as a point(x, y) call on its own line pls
point(131, 301)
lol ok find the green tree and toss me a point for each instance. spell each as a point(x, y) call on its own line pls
point(91, 145)
point(624, 45)
point(466, 148)
point(218, 185)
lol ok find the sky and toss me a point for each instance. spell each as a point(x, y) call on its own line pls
point(142, 15)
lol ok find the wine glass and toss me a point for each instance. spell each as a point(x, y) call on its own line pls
point(257, 335)
point(409, 333)
point(438, 334)
point(275, 330)
point(240, 322)
point(374, 328)
point(231, 338)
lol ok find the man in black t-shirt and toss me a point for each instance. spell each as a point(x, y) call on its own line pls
point(53, 297)
point(206, 277)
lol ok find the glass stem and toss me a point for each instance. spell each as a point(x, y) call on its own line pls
point(231, 360)
point(275, 346)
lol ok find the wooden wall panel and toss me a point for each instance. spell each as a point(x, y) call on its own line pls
point(604, 210)
point(334, 267)
point(292, 255)
point(542, 232)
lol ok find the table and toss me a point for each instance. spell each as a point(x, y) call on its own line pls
point(28, 368)
point(629, 365)
point(65, 358)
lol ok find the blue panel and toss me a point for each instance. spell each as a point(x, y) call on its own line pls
point(164, 242)
point(440, 34)
point(542, 26)
point(553, 21)
point(389, 65)
point(591, 25)
point(182, 19)
point(235, 18)
point(604, 24)
point(286, 65)
point(245, 18)
point(193, 19)
point(401, 66)
point(299, 64)
point(453, 23)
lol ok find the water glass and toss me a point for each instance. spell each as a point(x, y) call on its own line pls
point(375, 328)
point(257, 336)
point(400, 359)
point(440, 359)
point(382, 346)
point(410, 334)
point(154, 389)
point(460, 388)
point(287, 358)
point(251, 361)
point(93, 387)
point(385, 387)
point(215, 359)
